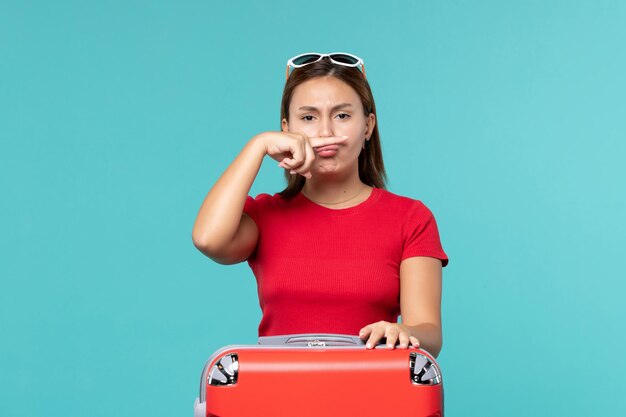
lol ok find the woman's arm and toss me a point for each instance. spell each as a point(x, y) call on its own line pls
point(420, 300)
point(420, 304)
point(221, 230)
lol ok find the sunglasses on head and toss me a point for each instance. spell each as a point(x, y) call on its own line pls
point(339, 58)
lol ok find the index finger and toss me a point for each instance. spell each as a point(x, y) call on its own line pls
point(375, 336)
point(317, 142)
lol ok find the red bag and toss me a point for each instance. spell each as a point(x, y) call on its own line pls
point(319, 375)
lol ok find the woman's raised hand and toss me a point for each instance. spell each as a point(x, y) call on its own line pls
point(294, 151)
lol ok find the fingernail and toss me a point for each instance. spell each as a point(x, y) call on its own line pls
point(389, 345)
point(293, 171)
point(369, 345)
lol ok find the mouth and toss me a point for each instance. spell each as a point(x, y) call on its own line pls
point(329, 150)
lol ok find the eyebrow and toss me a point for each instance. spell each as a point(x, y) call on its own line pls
point(337, 107)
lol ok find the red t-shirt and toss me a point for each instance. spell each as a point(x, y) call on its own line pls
point(322, 270)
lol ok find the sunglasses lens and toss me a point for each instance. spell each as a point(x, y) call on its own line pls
point(345, 59)
point(306, 59)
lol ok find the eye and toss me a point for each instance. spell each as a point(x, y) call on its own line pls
point(305, 117)
point(343, 114)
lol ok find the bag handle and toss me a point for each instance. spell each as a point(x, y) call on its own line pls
point(312, 340)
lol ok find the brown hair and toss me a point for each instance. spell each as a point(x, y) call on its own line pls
point(371, 167)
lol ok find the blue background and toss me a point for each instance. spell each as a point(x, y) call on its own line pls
point(507, 119)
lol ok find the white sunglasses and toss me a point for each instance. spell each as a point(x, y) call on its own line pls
point(339, 58)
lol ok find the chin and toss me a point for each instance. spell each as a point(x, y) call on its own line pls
point(326, 168)
point(326, 173)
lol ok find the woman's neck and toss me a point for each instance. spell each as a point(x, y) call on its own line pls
point(336, 194)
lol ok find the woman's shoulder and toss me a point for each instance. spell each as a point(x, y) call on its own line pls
point(268, 198)
point(265, 200)
point(401, 201)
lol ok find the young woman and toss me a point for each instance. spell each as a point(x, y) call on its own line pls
point(334, 252)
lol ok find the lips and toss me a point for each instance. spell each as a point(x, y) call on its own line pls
point(327, 148)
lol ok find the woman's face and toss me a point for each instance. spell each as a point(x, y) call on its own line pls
point(327, 106)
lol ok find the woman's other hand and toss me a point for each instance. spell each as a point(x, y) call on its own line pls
point(392, 332)
point(294, 151)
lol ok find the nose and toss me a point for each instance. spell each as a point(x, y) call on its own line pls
point(325, 128)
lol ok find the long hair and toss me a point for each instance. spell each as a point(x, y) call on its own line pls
point(371, 167)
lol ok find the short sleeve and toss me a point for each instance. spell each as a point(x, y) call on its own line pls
point(421, 235)
point(251, 209)
point(257, 206)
